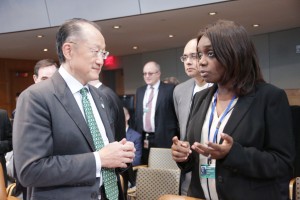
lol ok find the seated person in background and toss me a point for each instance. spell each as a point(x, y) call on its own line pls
point(135, 137)
point(171, 80)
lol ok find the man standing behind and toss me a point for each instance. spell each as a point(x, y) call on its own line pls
point(155, 113)
point(63, 143)
point(183, 95)
point(44, 69)
point(116, 108)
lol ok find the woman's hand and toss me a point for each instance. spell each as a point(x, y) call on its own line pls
point(213, 150)
point(180, 150)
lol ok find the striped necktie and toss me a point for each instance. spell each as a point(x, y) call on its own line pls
point(148, 126)
point(109, 176)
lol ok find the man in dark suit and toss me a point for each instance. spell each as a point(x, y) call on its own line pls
point(155, 113)
point(116, 109)
point(63, 141)
point(5, 139)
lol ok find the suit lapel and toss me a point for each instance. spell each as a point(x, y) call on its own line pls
point(160, 95)
point(66, 98)
point(242, 106)
point(203, 103)
point(102, 106)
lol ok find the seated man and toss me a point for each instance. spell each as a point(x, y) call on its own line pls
point(135, 137)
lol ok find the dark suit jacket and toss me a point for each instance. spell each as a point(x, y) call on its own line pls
point(5, 139)
point(166, 124)
point(53, 146)
point(260, 161)
point(136, 138)
point(116, 111)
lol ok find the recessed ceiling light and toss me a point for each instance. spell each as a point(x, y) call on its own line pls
point(39, 36)
point(255, 25)
point(170, 36)
point(135, 47)
point(212, 13)
point(117, 27)
point(45, 50)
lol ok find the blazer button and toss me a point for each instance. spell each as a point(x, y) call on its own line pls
point(94, 195)
point(220, 179)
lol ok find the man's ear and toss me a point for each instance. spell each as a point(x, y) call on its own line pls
point(34, 78)
point(67, 50)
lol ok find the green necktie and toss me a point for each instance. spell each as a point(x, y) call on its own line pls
point(109, 176)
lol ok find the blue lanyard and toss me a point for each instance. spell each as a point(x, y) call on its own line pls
point(221, 119)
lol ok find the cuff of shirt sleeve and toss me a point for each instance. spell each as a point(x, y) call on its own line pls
point(98, 164)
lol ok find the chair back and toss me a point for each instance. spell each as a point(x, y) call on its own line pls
point(2, 184)
point(151, 183)
point(176, 197)
point(161, 158)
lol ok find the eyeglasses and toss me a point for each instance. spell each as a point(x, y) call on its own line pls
point(149, 73)
point(97, 53)
point(192, 56)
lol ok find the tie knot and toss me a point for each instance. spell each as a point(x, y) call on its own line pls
point(84, 92)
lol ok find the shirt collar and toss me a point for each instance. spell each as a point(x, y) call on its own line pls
point(74, 85)
point(155, 86)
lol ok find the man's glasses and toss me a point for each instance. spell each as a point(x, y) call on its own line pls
point(97, 53)
point(149, 73)
point(192, 56)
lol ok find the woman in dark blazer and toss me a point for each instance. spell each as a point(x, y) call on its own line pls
point(240, 129)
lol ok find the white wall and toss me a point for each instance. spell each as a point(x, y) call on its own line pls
point(20, 15)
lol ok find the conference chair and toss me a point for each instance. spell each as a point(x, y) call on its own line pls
point(161, 158)
point(151, 183)
point(3, 192)
point(176, 197)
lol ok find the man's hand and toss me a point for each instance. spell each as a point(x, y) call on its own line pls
point(180, 150)
point(213, 150)
point(117, 154)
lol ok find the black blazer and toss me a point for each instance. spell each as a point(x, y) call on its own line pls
point(116, 111)
point(260, 161)
point(166, 124)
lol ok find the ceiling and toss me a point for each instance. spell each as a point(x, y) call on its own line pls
point(150, 32)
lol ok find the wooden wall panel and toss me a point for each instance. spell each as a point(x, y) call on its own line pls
point(293, 96)
point(11, 82)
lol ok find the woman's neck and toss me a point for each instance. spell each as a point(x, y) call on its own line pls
point(225, 93)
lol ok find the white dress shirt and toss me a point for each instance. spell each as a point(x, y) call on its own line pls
point(154, 100)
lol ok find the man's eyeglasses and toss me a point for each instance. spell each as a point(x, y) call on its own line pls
point(102, 53)
point(149, 73)
point(97, 53)
point(192, 56)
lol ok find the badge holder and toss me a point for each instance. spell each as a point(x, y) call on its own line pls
point(146, 142)
point(208, 170)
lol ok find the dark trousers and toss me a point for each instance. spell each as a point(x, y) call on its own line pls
point(146, 151)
